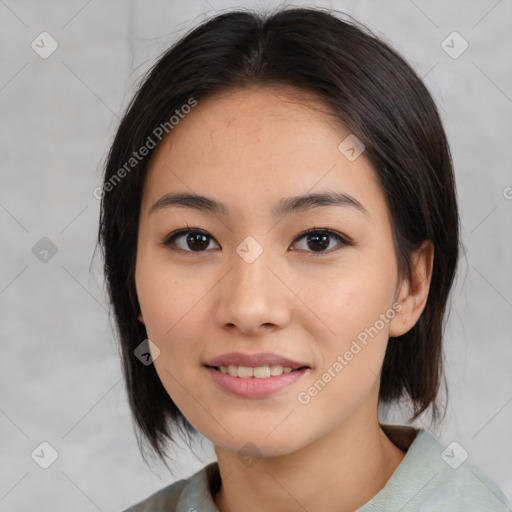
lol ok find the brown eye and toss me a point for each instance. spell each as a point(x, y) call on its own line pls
point(194, 240)
point(198, 241)
point(319, 239)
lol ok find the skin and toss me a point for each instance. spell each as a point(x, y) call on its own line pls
point(248, 149)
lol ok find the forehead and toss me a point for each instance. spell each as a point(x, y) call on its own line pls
point(251, 147)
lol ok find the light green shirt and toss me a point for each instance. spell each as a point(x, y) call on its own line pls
point(430, 478)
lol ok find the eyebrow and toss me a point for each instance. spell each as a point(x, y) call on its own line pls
point(284, 207)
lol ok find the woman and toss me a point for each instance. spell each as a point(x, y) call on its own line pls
point(281, 234)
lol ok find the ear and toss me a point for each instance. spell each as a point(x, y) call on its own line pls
point(413, 295)
point(141, 318)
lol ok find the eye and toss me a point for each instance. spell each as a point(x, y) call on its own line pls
point(196, 239)
point(318, 239)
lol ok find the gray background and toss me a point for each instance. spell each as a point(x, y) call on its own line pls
point(59, 369)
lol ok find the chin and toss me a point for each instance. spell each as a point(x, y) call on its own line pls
point(256, 444)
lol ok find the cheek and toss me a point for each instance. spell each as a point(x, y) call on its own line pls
point(164, 297)
point(351, 311)
point(171, 314)
point(347, 305)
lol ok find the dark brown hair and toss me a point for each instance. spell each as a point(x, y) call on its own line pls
point(367, 86)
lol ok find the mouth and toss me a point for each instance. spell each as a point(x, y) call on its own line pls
point(256, 372)
point(259, 365)
point(255, 381)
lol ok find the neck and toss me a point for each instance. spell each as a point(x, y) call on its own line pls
point(338, 473)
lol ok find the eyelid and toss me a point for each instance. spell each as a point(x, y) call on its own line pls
point(169, 239)
point(342, 239)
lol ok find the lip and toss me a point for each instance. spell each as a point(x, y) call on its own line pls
point(252, 387)
point(254, 360)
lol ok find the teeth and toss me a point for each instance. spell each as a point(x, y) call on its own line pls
point(260, 372)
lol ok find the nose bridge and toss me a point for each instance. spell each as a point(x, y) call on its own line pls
point(250, 268)
point(251, 295)
point(250, 273)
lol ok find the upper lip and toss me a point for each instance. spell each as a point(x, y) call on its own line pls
point(254, 360)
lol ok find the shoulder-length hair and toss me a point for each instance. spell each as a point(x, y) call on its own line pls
point(367, 86)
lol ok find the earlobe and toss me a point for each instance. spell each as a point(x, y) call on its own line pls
point(141, 318)
point(413, 295)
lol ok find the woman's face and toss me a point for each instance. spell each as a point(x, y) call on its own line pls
point(255, 285)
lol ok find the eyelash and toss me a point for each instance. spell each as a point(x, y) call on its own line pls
point(170, 239)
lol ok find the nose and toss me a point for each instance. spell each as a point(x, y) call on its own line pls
point(253, 297)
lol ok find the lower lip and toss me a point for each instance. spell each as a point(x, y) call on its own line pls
point(253, 387)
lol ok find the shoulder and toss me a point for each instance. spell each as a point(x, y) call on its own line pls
point(437, 478)
point(465, 488)
point(177, 495)
point(164, 500)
